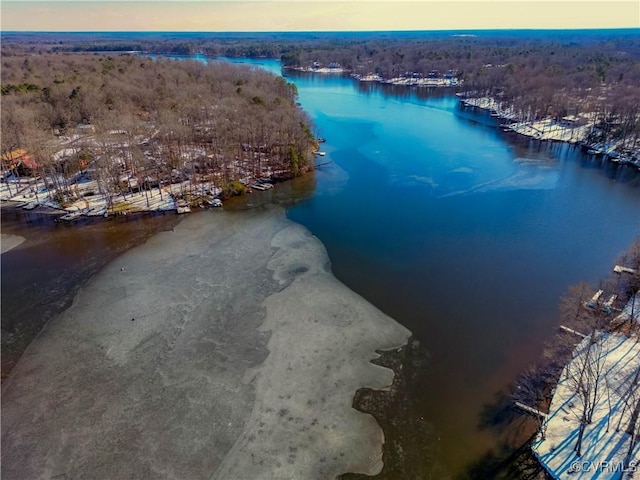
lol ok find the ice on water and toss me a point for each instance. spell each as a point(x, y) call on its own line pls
point(222, 349)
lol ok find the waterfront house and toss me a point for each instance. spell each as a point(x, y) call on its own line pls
point(19, 160)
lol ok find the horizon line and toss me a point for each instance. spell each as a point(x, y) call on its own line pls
point(499, 29)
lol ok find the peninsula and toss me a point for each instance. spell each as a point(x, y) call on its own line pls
point(102, 135)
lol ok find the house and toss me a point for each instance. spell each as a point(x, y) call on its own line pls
point(19, 160)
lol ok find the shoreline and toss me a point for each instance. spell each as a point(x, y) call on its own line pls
point(618, 359)
point(99, 209)
point(246, 382)
point(405, 81)
point(547, 129)
point(596, 345)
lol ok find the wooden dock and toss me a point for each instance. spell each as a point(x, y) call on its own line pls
point(621, 269)
point(594, 300)
point(571, 330)
point(531, 410)
point(608, 305)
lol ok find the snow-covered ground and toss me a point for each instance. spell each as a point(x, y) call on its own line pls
point(550, 130)
point(572, 129)
point(92, 203)
point(605, 441)
point(96, 204)
point(17, 190)
point(85, 195)
point(423, 82)
point(489, 103)
point(319, 69)
point(631, 309)
point(545, 129)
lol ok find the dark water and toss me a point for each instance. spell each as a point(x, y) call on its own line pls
point(41, 276)
point(463, 234)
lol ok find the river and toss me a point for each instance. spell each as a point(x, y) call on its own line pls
point(465, 235)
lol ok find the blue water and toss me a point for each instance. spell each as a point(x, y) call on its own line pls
point(463, 234)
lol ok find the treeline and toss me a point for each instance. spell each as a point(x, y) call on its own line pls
point(151, 118)
point(582, 56)
point(534, 74)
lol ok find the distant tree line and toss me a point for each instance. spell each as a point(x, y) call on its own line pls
point(157, 120)
point(536, 74)
point(578, 58)
point(533, 76)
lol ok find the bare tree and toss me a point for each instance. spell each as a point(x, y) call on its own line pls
point(585, 375)
point(572, 305)
point(629, 392)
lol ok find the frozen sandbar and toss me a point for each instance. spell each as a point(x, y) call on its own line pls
point(8, 242)
point(224, 349)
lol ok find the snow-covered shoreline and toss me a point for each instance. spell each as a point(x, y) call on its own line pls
point(613, 360)
point(572, 129)
point(222, 349)
point(32, 193)
point(329, 70)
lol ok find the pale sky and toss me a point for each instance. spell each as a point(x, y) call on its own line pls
point(313, 15)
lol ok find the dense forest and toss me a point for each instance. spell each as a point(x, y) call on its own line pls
point(223, 122)
point(129, 120)
point(534, 74)
point(594, 76)
point(578, 58)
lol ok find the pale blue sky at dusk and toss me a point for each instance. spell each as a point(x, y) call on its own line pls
point(312, 15)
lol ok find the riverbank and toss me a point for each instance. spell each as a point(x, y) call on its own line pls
point(572, 129)
point(333, 70)
point(92, 204)
point(608, 447)
point(414, 80)
point(178, 198)
point(583, 392)
point(172, 370)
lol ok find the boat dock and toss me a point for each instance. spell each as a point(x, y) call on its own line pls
point(571, 330)
point(608, 305)
point(594, 300)
point(531, 410)
point(262, 186)
point(621, 269)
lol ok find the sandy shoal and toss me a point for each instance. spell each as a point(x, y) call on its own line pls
point(9, 242)
point(223, 349)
